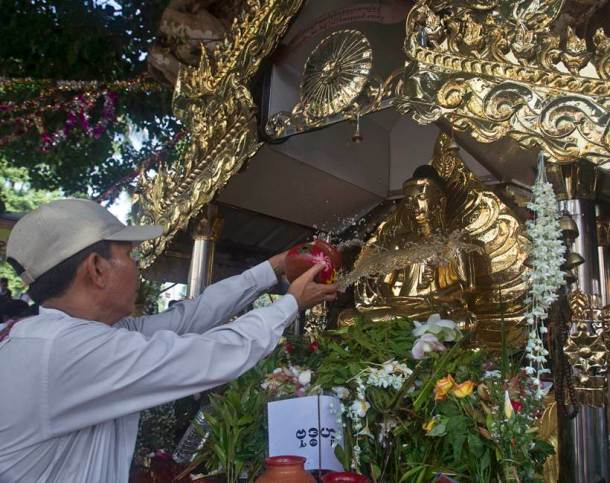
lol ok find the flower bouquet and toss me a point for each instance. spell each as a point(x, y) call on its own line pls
point(415, 403)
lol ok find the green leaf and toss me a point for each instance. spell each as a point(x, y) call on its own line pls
point(375, 472)
point(475, 445)
point(437, 431)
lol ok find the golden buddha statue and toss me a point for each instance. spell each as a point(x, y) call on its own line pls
point(482, 291)
point(423, 288)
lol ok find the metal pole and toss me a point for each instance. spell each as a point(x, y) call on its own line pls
point(205, 233)
point(603, 251)
point(583, 441)
point(583, 213)
point(200, 274)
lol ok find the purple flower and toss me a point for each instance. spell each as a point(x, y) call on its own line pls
point(97, 131)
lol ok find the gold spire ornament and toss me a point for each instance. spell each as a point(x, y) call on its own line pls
point(586, 350)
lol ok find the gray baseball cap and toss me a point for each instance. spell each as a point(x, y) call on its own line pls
point(55, 231)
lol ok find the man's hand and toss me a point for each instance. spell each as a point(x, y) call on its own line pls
point(308, 293)
point(278, 263)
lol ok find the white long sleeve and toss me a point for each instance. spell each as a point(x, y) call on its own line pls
point(74, 388)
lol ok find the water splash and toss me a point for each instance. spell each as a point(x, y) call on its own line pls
point(437, 250)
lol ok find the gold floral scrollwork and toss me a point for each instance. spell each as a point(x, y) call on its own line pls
point(336, 85)
point(493, 69)
point(586, 350)
point(216, 108)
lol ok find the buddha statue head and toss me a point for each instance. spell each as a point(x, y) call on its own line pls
point(423, 206)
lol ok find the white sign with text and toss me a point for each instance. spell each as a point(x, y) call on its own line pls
point(305, 426)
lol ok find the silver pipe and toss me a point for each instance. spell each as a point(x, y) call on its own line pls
point(583, 441)
point(582, 449)
point(583, 213)
point(200, 274)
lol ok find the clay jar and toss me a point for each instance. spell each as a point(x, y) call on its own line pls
point(344, 477)
point(285, 469)
point(301, 258)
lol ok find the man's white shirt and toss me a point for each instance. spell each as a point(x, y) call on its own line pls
point(71, 390)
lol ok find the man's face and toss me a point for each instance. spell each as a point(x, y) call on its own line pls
point(123, 281)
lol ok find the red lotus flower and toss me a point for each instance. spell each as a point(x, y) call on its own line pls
point(517, 406)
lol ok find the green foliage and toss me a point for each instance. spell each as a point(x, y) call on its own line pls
point(19, 197)
point(350, 349)
point(16, 190)
point(406, 433)
point(71, 39)
point(82, 40)
point(237, 440)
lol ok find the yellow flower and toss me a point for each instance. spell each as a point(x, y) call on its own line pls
point(442, 388)
point(462, 390)
point(429, 425)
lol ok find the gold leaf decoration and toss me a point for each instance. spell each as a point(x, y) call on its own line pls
point(494, 69)
point(214, 103)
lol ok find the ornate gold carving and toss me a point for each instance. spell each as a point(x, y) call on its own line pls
point(575, 180)
point(489, 286)
point(336, 85)
point(215, 105)
point(493, 68)
point(335, 73)
point(209, 225)
point(586, 350)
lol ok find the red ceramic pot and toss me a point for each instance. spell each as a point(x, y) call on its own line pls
point(344, 477)
point(283, 469)
point(302, 257)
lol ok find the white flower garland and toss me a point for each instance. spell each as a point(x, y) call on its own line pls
point(546, 277)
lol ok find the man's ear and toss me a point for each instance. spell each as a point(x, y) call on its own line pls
point(96, 269)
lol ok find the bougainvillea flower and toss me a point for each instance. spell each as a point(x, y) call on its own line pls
point(517, 406)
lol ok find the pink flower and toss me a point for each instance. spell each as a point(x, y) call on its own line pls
point(425, 344)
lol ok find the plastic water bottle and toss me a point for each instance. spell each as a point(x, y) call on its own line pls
point(193, 439)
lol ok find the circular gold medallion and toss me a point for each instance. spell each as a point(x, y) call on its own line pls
point(335, 73)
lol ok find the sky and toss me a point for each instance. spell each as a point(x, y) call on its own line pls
point(121, 207)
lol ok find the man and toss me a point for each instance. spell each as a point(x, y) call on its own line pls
point(75, 377)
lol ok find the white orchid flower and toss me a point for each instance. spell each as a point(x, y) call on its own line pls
point(305, 377)
point(425, 344)
point(360, 407)
point(444, 329)
point(341, 392)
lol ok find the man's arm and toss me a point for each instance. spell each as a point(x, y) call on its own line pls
point(97, 373)
point(218, 303)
